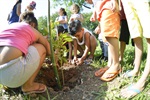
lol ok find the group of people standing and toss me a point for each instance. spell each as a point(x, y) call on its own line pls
point(21, 43)
point(137, 14)
point(119, 19)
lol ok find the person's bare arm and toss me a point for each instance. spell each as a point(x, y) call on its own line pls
point(40, 39)
point(97, 29)
point(87, 45)
point(75, 48)
point(81, 19)
point(70, 19)
point(70, 51)
point(115, 5)
point(18, 9)
point(63, 21)
point(93, 17)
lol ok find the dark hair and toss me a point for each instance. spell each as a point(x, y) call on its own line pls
point(29, 17)
point(20, 1)
point(64, 12)
point(74, 27)
point(60, 29)
point(76, 5)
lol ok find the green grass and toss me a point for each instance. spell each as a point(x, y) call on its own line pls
point(113, 88)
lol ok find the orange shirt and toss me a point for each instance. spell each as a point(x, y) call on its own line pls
point(101, 5)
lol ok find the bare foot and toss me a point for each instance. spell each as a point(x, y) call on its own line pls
point(131, 91)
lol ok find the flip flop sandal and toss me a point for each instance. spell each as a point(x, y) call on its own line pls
point(115, 74)
point(136, 91)
point(35, 91)
point(128, 75)
point(101, 71)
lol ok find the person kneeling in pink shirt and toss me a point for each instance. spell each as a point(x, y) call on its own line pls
point(22, 52)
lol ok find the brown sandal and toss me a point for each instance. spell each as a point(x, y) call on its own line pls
point(115, 74)
point(39, 90)
point(101, 71)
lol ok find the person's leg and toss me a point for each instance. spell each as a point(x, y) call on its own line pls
point(93, 44)
point(114, 49)
point(122, 49)
point(105, 51)
point(124, 38)
point(30, 85)
point(110, 29)
point(138, 56)
point(77, 48)
point(127, 92)
point(110, 59)
point(81, 51)
point(102, 48)
point(139, 86)
point(136, 32)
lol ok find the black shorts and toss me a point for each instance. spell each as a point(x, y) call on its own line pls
point(65, 30)
point(124, 32)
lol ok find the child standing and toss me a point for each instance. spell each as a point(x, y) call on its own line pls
point(63, 19)
point(83, 40)
point(15, 13)
point(76, 15)
point(107, 13)
point(124, 34)
point(138, 18)
point(31, 6)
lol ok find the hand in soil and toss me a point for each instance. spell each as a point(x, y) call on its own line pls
point(79, 61)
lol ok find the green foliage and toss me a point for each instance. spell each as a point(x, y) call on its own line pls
point(58, 42)
point(114, 87)
point(87, 23)
point(42, 24)
point(59, 46)
point(54, 16)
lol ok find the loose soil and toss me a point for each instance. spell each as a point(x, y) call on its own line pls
point(79, 84)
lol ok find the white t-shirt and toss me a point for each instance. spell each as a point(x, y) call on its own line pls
point(65, 25)
point(75, 16)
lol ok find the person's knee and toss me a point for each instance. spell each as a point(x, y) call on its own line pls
point(41, 49)
point(93, 39)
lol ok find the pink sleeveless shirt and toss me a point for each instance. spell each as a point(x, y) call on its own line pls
point(19, 35)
